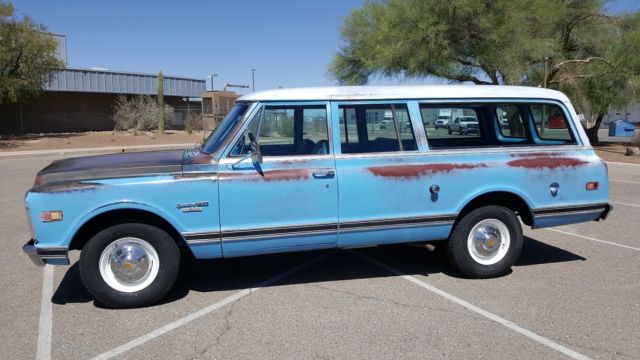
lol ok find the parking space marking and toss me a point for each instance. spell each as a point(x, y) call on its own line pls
point(46, 309)
point(528, 333)
point(625, 181)
point(204, 311)
point(623, 203)
point(593, 239)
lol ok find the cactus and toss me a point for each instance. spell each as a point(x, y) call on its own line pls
point(161, 103)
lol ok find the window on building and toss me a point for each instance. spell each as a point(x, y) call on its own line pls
point(207, 105)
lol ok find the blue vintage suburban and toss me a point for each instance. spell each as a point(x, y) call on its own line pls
point(320, 168)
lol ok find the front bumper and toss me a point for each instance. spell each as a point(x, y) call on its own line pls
point(41, 256)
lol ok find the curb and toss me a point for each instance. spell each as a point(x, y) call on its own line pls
point(621, 163)
point(28, 153)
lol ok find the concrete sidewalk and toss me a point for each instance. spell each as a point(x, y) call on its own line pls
point(28, 153)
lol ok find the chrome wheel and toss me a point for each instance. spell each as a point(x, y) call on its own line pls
point(488, 241)
point(129, 264)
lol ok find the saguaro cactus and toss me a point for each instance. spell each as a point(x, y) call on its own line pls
point(161, 103)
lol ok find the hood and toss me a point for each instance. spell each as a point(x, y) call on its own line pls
point(132, 164)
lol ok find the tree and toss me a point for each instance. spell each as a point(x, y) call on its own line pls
point(161, 103)
point(27, 56)
point(488, 43)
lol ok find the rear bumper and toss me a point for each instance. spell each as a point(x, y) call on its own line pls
point(603, 216)
point(41, 256)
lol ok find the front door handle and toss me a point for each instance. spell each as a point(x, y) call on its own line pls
point(327, 174)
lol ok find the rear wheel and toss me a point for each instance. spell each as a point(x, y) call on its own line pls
point(129, 265)
point(486, 242)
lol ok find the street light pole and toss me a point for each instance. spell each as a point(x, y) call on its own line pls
point(211, 77)
point(253, 80)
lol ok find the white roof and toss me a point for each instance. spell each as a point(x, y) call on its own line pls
point(404, 92)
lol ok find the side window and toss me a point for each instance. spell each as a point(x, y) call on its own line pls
point(348, 128)
point(287, 131)
point(445, 123)
point(376, 128)
point(551, 123)
point(510, 123)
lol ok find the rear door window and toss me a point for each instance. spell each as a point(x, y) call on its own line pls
point(510, 123)
point(376, 128)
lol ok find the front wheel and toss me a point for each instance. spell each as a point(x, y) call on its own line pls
point(486, 242)
point(129, 265)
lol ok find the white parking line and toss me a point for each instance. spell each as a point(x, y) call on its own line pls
point(625, 181)
point(593, 239)
point(530, 334)
point(204, 311)
point(623, 203)
point(44, 329)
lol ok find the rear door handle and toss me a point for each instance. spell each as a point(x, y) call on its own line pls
point(328, 174)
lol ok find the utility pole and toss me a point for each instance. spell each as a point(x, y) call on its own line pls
point(211, 77)
point(253, 80)
point(545, 82)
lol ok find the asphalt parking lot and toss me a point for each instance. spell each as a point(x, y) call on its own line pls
point(575, 293)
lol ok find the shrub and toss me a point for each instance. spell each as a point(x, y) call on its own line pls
point(138, 113)
point(193, 122)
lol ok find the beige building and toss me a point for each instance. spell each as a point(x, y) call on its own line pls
point(215, 106)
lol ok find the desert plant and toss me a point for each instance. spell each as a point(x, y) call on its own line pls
point(138, 113)
point(193, 122)
point(161, 114)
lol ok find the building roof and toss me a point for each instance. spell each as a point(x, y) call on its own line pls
point(116, 82)
point(404, 92)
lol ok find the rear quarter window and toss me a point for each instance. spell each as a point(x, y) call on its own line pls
point(551, 123)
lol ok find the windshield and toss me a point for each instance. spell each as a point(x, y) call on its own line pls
point(217, 136)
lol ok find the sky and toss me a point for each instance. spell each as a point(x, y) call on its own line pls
point(288, 42)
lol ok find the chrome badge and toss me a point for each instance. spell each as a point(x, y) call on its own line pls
point(192, 206)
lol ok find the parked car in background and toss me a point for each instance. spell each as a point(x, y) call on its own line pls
point(464, 125)
point(305, 169)
point(441, 122)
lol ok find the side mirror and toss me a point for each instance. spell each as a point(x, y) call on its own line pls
point(256, 155)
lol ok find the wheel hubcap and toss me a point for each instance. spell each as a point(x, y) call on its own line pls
point(129, 264)
point(489, 241)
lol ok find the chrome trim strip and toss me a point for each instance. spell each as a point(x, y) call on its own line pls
point(467, 151)
point(396, 226)
point(328, 228)
point(278, 235)
point(564, 213)
point(200, 238)
point(571, 208)
point(203, 241)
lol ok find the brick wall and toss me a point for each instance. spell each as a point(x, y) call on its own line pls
point(55, 112)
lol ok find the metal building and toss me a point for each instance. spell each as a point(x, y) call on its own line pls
point(83, 99)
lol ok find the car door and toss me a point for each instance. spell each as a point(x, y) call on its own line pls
point(382, 196)
point(288, 202)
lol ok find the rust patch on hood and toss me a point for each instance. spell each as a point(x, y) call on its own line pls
point(270, 175)
point(416, 171)
point(547, 162)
